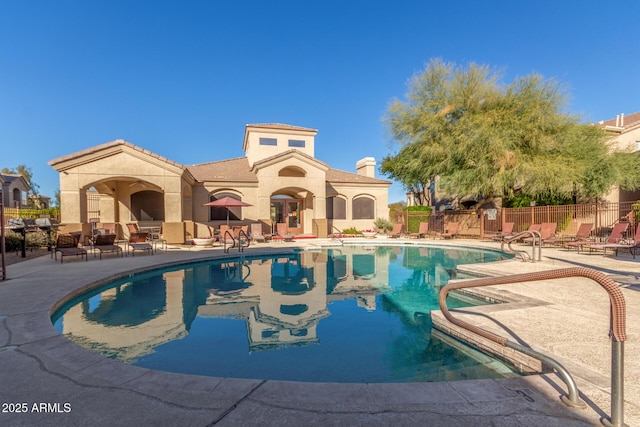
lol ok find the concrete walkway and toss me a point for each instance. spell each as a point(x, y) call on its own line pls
point(47, 380)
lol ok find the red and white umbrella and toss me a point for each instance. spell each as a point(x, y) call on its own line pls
point(227, 202)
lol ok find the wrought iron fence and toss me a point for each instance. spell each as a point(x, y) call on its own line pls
point(482, 222)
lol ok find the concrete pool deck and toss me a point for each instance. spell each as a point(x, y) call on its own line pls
point(56, 382)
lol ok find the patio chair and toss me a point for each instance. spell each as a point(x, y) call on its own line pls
point(451, 230)
point(105, 243)
point(507, 230)
point(582, 235)
point(547, 231)
point(256, 233)
point(532, 227)
point(616, 235)
point(630, 246)
point(138, 242)
point(66, 245)
point(283, 232)
point(423, 230)
point(397, 231)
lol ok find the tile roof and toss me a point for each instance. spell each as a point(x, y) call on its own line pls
point(238, 170)
point(339, 176)
point(224, 170)
point(628, 121)
point(280, 126)
point(111, 144)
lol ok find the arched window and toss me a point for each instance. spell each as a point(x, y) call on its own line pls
point(17, 197)
point(336, 208)
point(363, 208)
point(292, 171)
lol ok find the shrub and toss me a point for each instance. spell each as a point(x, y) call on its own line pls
point(383, 224)
point(419, 214)
point(12, 242)
point(350, 230)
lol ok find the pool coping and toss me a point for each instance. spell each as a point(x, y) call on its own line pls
point(43, 366)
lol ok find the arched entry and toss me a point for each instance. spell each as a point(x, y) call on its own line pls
point(290, 210)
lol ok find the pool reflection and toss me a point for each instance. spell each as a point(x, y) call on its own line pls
point(281, 299)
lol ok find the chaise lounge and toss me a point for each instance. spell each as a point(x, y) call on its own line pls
point(67, 245)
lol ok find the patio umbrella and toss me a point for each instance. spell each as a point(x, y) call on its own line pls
point(227, 202)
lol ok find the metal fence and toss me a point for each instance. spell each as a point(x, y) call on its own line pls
point(481, 222)
point(10, 213)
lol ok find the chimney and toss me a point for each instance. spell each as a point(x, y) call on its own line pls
point(621, 120)
point(617, 120)
point(366, 167)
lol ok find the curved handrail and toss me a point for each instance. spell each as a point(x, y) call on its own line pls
point(224, 241)
point(617, 325)
point(242, 236)
point(535, 236)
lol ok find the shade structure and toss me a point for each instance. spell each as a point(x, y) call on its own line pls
point(227, 202)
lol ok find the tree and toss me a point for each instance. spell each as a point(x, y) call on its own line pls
point(486, 139)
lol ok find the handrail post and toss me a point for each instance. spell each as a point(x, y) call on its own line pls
point(617, 385)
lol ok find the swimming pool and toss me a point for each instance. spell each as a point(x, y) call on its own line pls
point(348, 314)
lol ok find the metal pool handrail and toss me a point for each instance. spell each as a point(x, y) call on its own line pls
point(535, 236)
point(617, 330)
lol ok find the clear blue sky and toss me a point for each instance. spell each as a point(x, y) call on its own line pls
point(182, 78)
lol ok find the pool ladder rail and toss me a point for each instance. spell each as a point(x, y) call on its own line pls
point(240, 241)
point(536, 241)
point(617, 331)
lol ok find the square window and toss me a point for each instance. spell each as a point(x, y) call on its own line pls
point(268, 141)
point(296, 143)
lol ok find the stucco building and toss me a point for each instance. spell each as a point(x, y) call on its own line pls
point(625, 136)
point(14, 190)
point(279, 177)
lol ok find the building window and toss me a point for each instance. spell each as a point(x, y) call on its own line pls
point(336, 208)
point(296, 143)
point(363, 208)
point(268, 141)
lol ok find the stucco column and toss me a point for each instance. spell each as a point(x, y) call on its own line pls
point(172, 207)
point(108, 208)
point(73, 206)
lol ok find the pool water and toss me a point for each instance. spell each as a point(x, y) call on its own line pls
point(348, 314)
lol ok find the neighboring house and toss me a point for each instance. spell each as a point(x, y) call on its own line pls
point(39, 201)
point(279, 177)
point(14, 190)
point(625, 135)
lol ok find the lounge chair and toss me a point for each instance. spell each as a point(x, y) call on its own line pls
point(397, 231)
point(66, 245)
point(138, 242)
point(616, 235)
point(105, 243)
point(507, 230)
point(283, 232)
point(256, 233)
point(423, 230)
point(451, 230)
point(582, 236)
point(547, 232)
point(532, 227)
point(631, 246)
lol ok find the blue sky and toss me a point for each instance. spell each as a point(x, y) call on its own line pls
point(182, 78)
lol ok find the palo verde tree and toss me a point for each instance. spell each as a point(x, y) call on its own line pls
point(486, 139)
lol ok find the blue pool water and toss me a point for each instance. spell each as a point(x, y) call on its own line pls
point(348, 314)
